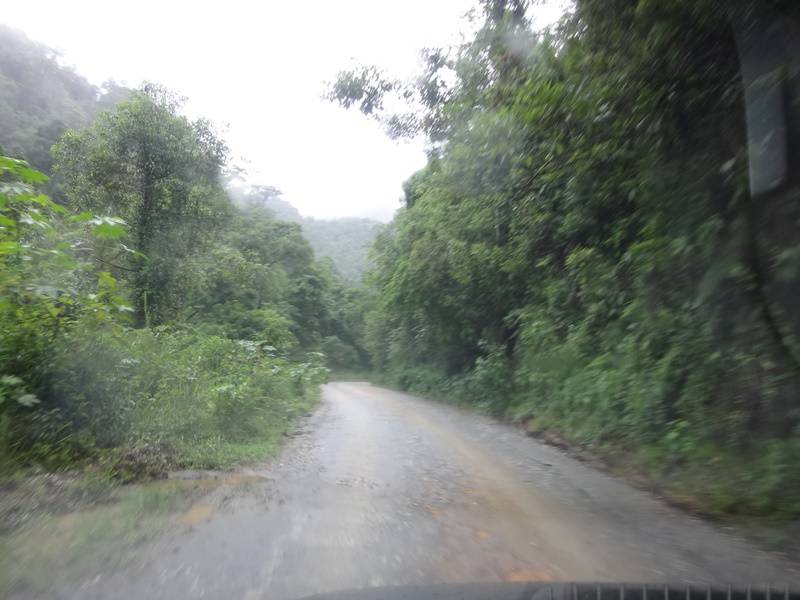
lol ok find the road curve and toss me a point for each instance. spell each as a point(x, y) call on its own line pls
point(382, 488)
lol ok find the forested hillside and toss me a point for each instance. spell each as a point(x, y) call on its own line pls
point(346, 241)
point(146, 321)
point(581, 251)
point(40, 99)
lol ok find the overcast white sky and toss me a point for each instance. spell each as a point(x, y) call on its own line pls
point(257, 69)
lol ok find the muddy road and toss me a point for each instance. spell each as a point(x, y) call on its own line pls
point(381, 488)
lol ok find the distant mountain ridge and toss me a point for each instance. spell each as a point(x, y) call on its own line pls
point(346, 241)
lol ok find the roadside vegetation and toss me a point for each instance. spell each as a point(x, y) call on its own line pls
point(581, 252)
point(147, 321)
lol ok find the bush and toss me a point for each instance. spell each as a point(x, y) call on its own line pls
point(418, 379)
point(177, 388)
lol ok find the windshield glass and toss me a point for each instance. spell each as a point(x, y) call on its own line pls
point(298, 298)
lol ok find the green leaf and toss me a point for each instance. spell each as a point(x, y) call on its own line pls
point(10, 247)
point(10, 380)
point(107, 281)
point(83, 217)
point(109, 232)
point(27, 400)
point(21, 169)
point(132, 251)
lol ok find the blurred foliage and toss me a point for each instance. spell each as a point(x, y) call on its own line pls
point(581, 248)
point(45, 284)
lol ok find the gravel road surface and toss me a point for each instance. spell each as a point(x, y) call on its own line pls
point(381, 488)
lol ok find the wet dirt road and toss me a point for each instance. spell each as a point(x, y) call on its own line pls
point(381, 488)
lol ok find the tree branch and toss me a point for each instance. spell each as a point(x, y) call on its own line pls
point(110, 264)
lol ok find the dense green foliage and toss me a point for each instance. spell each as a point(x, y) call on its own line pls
point(160, 173)
point(581, 251)
point(346, 241)
point(146, 317)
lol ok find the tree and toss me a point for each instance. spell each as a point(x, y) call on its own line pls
point(161, 173)
point(581, 247)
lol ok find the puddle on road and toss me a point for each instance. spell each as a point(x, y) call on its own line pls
point(205, 510)
point(197, 514)
point(241, 479)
